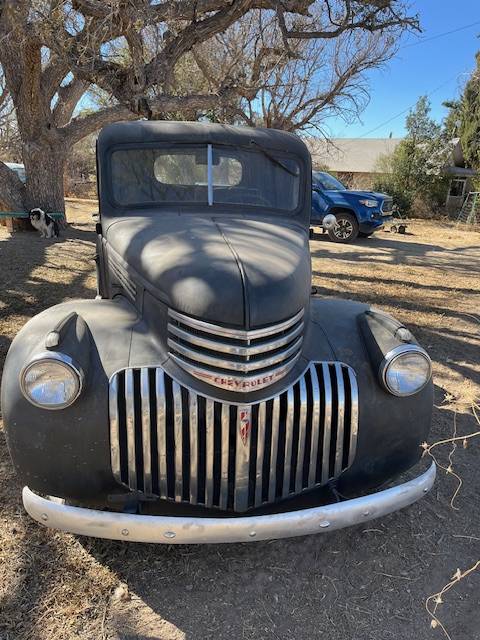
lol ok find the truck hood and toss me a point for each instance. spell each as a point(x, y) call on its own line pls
point(367, 194)
point(341, 196)
point(233, 271)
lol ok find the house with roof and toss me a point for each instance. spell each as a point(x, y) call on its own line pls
point(357, 162)
point(461, 177)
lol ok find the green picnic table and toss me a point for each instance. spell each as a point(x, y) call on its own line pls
point(25, 214)
point(11, 216)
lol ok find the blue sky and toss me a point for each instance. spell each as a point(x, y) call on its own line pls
point(438, 67)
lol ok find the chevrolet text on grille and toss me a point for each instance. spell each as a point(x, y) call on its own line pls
point(209, 351)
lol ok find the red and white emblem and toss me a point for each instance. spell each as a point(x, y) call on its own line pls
point(245, 414)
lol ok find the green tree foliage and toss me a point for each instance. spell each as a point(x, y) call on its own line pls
point(414, 174)
point(468, 112)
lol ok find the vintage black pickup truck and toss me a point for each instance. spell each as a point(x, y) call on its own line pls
point(205, 395)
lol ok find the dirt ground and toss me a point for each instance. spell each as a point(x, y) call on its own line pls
point(363, 583)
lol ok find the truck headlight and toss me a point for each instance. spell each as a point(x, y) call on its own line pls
point(369, 203)
point(51, 381)
point(405, 370)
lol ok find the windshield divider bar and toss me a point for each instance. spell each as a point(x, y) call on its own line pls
point(210, 174)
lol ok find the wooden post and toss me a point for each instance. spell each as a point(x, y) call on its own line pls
point(18, 224)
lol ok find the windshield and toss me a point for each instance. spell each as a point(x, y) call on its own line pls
point(206, 174)
point(327, 182)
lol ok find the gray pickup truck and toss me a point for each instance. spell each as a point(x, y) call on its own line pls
point(205, 395)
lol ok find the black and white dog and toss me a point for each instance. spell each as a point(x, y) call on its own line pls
point(44, 223)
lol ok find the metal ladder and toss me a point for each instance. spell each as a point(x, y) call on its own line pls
point(470, 211)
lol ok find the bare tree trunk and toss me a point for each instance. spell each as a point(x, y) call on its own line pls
point(44, 188)
point(44, 167)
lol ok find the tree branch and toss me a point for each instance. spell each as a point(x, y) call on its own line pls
point(52, 75)
point(83, 126)
point(179, 10)
point(193, 34)
point(365, 23)
point(68, 97)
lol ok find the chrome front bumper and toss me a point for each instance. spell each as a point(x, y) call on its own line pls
point(51, 512)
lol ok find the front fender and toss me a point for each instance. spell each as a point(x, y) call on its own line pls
point(67, 452)
point(391, 429)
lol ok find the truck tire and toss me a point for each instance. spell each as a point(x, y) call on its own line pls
point(346, 229)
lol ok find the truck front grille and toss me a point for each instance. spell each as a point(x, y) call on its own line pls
point(235, 359)
point(169, 442)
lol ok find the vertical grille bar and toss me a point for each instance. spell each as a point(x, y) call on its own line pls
point(130, 419)
point(316, 426)
point(328, 422)
point(302, 433)
point(262, 415)
point(114, 429)
point(209, 427)
point(241, 468)
point(147, 451)
point(161, 432)
point(193, 425)
point(225, 449)
point(274, 450)
point(354, 417)
point(340, 419)
point(288, 443)
point(207, 459)
point(177, 418)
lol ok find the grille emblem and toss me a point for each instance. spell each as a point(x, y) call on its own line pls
point(245, 414)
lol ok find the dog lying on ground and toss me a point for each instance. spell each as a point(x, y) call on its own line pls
point(44, 223)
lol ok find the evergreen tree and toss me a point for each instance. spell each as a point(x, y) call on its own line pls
point(415, 171)
point(469, 129)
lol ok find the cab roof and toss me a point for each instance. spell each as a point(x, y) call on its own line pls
point(148, 132)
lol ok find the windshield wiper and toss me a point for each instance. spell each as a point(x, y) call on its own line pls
point(275, 160)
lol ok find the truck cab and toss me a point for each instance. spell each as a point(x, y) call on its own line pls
point(205, 395)
point(358, 213)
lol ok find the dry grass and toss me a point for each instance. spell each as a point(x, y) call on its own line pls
point(362, 583)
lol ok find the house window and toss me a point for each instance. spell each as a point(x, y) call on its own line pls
point(457, 187)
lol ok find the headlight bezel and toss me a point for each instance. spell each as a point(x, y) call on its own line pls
point(370, 203)
point(392, 356)
point(64, 360)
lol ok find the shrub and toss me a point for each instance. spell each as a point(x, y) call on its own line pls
point(402, 200)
